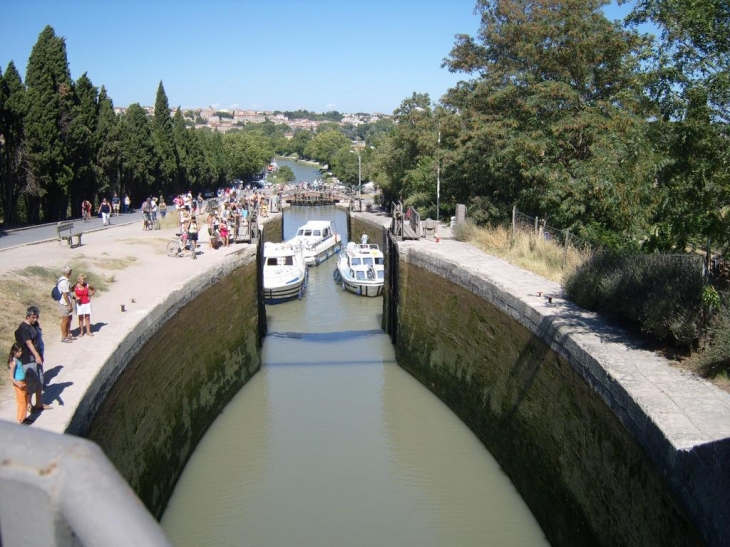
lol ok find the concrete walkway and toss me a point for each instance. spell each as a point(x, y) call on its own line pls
point(142, 275)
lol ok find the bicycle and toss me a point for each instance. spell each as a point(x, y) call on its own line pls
point(180, 246)
point(86, 215)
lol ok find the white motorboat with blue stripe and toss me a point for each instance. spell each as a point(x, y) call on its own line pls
point(285, 273)
point(361, 269)
point(317, 240)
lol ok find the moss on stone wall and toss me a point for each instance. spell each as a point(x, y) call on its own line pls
point(582, 474)
point(177, 384)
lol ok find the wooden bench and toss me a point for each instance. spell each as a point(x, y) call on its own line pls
point(66, 232)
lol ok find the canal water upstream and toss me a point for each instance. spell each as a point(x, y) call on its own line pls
point(333, 444)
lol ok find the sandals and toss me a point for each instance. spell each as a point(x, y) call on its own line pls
point(66, 340)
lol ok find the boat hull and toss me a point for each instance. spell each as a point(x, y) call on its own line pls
point(362, 289)
point(284, 293)
point(315, 258)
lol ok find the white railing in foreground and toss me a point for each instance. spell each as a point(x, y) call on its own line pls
point(59, 490)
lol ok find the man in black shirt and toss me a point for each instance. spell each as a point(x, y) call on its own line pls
point(26, 335)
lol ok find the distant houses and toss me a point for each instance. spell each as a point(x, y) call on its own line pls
point(224, 120)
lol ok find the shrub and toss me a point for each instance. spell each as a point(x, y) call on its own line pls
point(660, 294)
point(715, 357)
point(464, 231)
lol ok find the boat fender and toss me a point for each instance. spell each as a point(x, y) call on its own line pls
point(343, 285)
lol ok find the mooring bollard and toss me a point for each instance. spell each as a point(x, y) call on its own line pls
point(123, 308)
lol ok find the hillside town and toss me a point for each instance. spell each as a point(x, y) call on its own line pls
point(223, 120)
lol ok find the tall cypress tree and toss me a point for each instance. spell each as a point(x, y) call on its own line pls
point(50, 99)
point(108, 147)
point(162, 136)
point(137, 153)
point(12, 156)
point(82, 142)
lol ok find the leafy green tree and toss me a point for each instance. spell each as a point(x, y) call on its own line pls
point(300, 140)
point(12, 151)
point(325, 145)
point(690, 81)
point(555, 119)
point(162, 135)
point(283, 175)
point(50, 100)
point(138, 159)
point(404, 164)
point(246, 154)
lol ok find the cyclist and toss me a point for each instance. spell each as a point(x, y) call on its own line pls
point(86, 210)
point(147, 212)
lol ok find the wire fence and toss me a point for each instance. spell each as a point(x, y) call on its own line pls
point(708, 265)
point(540, 228)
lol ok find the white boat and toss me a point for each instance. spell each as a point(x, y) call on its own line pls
point(361, 269)
point(317, 240)
point(285, 273)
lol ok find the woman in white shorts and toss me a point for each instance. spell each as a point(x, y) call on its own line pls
point(83, 293)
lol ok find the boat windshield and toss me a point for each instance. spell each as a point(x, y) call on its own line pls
point(356, 261)
point(317, 233)
point(368, 260)
point(379, 260)
point(381, 274)
point(360, 275)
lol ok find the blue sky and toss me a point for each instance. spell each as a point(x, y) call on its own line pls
point(318, 55)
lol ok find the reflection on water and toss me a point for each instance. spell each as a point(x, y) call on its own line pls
point(333, 444)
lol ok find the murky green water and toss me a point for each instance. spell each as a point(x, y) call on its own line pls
point(332, 444)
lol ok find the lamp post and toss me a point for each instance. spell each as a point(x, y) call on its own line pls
point(359, 176)
point(438, 175)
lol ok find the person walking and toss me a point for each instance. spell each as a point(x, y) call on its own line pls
point(115, 204)
point(127, 203)
point(65, 305)
point(105, 210)
point(83, 293)
point(17, 377)
point(193, 236)
point(26, 336)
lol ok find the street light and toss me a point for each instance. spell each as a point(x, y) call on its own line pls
point(359, 175)
point(438, 175)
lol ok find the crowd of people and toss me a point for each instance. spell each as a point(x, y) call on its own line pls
point(25, 360)
point(225, 218)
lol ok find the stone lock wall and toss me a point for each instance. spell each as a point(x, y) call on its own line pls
point(584, 477)
point(158, 400)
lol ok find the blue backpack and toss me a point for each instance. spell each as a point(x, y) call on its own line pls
point(55, 293)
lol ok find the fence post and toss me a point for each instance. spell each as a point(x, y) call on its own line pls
point(514, 221)
point(565, 251)
point(536, 222)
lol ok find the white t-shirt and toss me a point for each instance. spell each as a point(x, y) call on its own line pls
point(63, 287)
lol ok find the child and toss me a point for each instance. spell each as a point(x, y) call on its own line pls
point(224, 233)
point(17, 376)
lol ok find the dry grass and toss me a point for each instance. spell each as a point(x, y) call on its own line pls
point(535, 254)
point(32, 286)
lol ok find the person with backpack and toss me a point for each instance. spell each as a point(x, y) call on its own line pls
point(65, 304)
